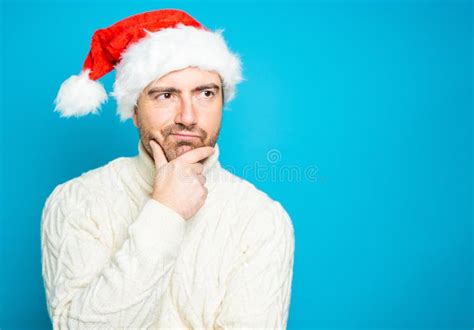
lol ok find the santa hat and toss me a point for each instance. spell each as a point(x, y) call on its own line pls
point(142, 48)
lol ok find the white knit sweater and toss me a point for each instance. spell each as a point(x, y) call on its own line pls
point(112, 257)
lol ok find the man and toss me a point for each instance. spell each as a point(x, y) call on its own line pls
point(166, 239)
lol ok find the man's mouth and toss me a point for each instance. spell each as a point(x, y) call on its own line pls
point(185, 136)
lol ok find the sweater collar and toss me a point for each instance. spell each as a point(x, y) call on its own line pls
point(146, 164)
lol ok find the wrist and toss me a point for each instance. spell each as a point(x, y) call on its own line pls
point(166, 202)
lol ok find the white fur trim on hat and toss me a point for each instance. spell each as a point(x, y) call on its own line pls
point(79, 96)
point(161, 52)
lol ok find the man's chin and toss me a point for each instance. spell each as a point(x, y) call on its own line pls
point(174, 150)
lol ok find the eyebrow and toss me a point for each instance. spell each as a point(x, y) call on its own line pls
point(155, 90)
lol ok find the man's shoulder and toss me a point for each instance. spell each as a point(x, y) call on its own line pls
point(92, 184)
point(249, 201)
point(239, 189)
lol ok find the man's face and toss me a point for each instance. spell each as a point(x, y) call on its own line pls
point(181, 111)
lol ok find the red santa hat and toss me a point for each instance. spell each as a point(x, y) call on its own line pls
point(142, 48)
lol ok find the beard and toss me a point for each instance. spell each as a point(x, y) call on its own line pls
point(175, 148)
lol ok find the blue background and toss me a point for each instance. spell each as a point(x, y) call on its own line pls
point(377, 95)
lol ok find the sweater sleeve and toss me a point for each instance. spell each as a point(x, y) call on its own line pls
point(89, 286)
point(259, 287)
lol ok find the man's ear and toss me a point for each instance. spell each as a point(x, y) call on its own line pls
point(135, 119)
point(222, 91)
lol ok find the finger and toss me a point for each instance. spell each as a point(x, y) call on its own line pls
point(196, 168)
point(158, 154)
point(195, 155)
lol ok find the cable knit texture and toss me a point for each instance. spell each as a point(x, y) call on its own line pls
point(114, 258)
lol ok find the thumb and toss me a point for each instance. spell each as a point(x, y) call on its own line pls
point(158, 154)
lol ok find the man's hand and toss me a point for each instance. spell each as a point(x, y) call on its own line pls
point(179, 184)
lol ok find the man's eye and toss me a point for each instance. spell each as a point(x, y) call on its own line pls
point(208, 93)
point(164, 96)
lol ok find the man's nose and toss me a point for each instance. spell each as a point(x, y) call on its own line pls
point(186, 114)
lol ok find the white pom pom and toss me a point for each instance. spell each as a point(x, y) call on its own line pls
point(79, 96)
